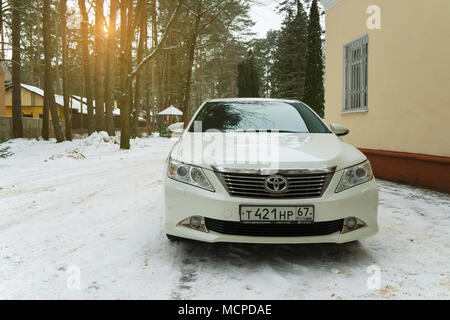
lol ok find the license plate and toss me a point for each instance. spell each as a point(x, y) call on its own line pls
point(275, 214)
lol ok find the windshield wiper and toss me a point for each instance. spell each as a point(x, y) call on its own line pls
point(262, 130)
point(288, 131)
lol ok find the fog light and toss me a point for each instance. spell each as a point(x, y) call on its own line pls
point(195, 222)
point(350, 222)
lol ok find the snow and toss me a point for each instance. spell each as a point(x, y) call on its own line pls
point(87, 204)
point(33, 89)
point(171, 111)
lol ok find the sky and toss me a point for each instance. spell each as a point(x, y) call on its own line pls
point(266, 18)
point(264, 13)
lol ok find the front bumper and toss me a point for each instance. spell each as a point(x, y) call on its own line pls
point(183, 201)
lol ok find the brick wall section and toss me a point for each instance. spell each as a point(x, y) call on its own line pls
point(411, 168)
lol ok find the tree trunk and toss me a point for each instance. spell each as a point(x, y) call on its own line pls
point(125, 56)
point(65, 71)
point(49, 96)
point(16, 72)
point(99, 77)
point(110, 63)
point(190, 64)
point(130, 60)
point(31, 55)
point(154, 65)
point(127, 79)
point(46, 111)
point(38, 34)
point(147, 86)
point(1, 31)
point(160, 69)
point(56, 55)
point(138, 91)
point(86, 65)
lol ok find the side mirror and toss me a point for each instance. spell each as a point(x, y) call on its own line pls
point(176, 128)
point(339, 130)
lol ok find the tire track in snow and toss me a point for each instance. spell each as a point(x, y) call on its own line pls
point(190, 256)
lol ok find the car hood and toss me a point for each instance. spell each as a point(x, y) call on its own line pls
point(216, 150)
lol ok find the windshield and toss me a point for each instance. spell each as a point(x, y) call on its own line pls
point(258, 116)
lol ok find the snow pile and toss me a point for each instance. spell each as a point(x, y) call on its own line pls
point(99, 138)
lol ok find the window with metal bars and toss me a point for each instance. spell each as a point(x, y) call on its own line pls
point(355, 74)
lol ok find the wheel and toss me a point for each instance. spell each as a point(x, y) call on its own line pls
point(172, 238)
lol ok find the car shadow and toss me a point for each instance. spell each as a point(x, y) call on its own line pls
point(280, 257)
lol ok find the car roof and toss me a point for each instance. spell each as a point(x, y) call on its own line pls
point(250, 100)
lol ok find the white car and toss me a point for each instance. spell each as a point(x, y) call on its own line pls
point(267, 171)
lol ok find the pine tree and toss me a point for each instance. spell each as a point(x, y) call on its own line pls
point(314, 86)
point(264, 50)
point(248, 78)
point(289, 59)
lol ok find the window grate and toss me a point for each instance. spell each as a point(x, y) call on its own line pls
point(356, 74)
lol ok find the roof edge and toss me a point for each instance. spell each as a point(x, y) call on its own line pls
point(328, 4)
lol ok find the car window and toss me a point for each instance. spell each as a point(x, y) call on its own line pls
point(258, 115)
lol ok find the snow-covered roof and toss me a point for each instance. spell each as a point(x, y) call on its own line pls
point(33, 89)
point(171, 111)
point(328, 4)
point(58, 98)
point(75, 102)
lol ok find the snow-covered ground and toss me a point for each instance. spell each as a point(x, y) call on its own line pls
point(87, 206)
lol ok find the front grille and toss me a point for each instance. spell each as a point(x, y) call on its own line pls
point(310, 185)
point(274, 230)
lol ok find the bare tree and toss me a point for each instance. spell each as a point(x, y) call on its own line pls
point(16, 72)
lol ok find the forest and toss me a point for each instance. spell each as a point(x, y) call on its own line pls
point(142, 56)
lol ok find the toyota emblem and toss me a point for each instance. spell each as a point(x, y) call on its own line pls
point(276, 184)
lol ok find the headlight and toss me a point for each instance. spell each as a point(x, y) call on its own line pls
point(189, 174)
point(355, 175)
